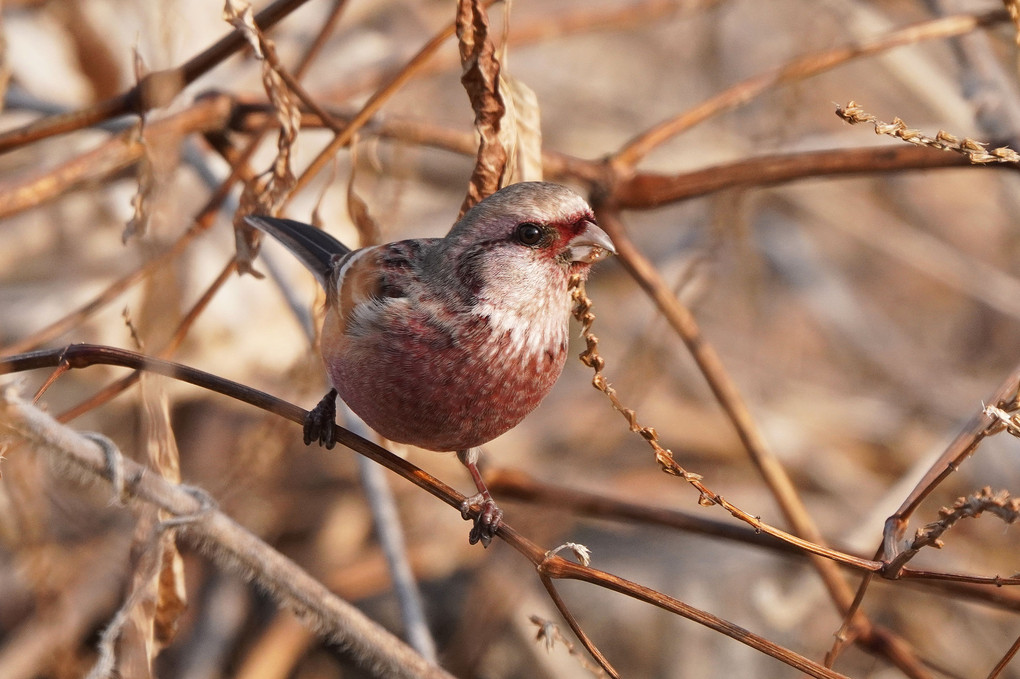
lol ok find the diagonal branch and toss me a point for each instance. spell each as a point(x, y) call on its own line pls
point(222, 539)
point(803, 67)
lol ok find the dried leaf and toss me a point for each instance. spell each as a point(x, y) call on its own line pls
point(480, 78)
point(142, 199)
point(238, 13)
point(357, 209)
point(169, 594)
point(268, 193)
point(526, 137)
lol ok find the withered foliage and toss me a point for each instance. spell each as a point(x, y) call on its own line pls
point(481, 79)
point(813, 331)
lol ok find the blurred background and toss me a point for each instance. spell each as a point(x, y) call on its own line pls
point(864, 318)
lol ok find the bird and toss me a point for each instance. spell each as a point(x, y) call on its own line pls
point(447, 343)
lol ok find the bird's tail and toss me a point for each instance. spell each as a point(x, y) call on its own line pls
point(314, 247)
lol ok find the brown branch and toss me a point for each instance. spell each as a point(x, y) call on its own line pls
point(798, 69)
point(374, 103)
point(222, 539)
point(111, 157)
point(962, 447)
point(575, 626)
point(645, 191)
point(771, 470)
point(511, 484)
point(640, 190)
point(154, 90)
point(181, 503)
point(180, 333)
point(1005, 660)
point(557, 567)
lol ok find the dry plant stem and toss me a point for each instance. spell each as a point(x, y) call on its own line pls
point(154, 90)
point(202, 222)
point(575, 627)
point(228, 543)
point(772, 472)
point(802, 67)
point(646, 191)
point(729, 398)
point(372, 106)
point(112, 390)
point(974, 151)
point(641, 190)
point(962, 447)
point(514, 484)
point(1006, 659)
point(847, 632)
point(965, 444)
point(998, 504)
point(110, 157)
point(557, 567)
point(83, 355)
point(293, 82)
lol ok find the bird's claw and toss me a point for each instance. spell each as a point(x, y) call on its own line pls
point(320, 424)
point(488, 521)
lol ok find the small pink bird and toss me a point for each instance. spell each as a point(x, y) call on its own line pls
point(446, 343)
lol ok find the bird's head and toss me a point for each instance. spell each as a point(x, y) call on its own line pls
point(523, 236)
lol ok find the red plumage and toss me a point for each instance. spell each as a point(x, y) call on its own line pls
point(446, 343)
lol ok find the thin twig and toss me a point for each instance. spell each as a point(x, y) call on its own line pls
point(374, 103)
point(976, 152)
point(798, 69)
point(225, 541)
point(155, 89)
point(771, 470)
point(80, 356)
point(1005, 660)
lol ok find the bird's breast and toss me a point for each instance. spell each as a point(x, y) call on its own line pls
point(447, 383)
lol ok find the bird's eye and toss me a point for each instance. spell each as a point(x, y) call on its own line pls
point(529, 234)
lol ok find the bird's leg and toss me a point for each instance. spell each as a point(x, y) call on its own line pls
point(320, 425)
point(489, 516)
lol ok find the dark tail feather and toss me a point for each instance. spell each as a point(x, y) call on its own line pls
point(314, 247)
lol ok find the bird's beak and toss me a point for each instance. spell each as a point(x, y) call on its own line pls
point(590, 245)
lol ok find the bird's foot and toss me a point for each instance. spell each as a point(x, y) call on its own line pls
point(488, 521)
point(320, 424)
point(490, 516)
